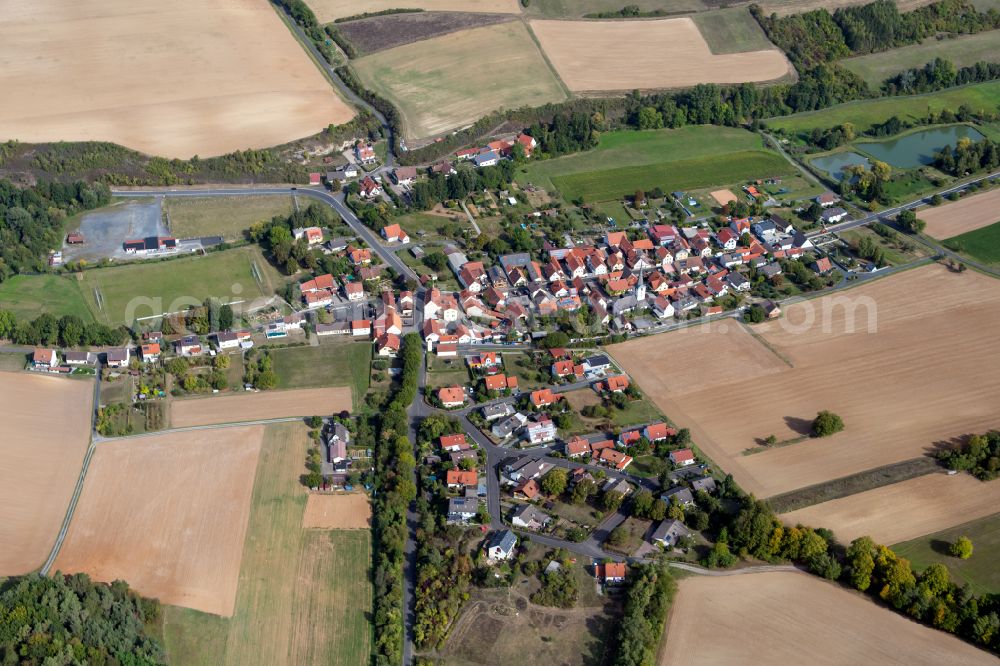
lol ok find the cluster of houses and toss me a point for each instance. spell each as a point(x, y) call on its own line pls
point(668, 272)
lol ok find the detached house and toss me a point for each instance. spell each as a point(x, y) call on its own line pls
point(682, 457)
point(395, 234)
point(501, 546)
point(119, 358)
point(451, 396)
point(45, 358)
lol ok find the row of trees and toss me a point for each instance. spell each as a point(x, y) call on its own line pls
point(72, 620)
point(651, 590)
point(32, 218)
point(67, 331)
point(394, 490)
point(938, 74)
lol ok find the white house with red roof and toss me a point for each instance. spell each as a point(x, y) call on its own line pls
point(682, 457)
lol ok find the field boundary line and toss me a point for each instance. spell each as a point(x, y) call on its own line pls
point(763, 341)
point(545, 56)
point(286, 20)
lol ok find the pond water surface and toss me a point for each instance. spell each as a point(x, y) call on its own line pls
point(917, 149)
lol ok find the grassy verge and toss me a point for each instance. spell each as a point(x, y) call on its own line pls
point(303, 596)
point(671, 176)
point(980, 571)
point(853, 484)
point(28, 296)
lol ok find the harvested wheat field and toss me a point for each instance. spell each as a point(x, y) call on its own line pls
point(168, 514)
point(329, 10)
point(625, 55)
point(905, 510)
point(722, 197)
point(711, 619)
point(932, 330)
point(173, 79)
point(44, 433)
point(967, 214)
point(240, 407)
point(343, 511)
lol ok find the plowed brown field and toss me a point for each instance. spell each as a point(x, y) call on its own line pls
point(256, 406)
point(967, 214)
point(174, 79)
point(905, 510)
point(343, 511)
point(668, 53)
point(168, 514)
point(925, 376)
point(44, 433)
point(793, 618)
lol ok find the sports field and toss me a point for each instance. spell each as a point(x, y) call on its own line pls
point(451, 81)
point(178, 82)
point(44, 433)
point(961, 51)
point(334, 363)
point(329, 10)
point(28, 296)
point(168, 514)
point(980, 571)
point(810, 360)
point(626, 148)
point(662, 53)
point(222, 216)
point(904, 510)
point(144, 289)
point(234, 408)
point(865, 113)
point(958, 218)
point(303, 594)
point(712, 617)
point(685, 174)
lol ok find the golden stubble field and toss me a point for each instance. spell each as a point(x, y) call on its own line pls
point(926, 376)
point(668, 53)
point(905, 510)
point(44, 434)
point(966, 214)
point(256, 406)
point(173, 79)
point(328, 10)
point(795, 618)
point(168, 514)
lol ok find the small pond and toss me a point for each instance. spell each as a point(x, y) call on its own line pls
point(917, 149)
point(836, 163)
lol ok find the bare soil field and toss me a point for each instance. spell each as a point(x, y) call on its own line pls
point(905, 510)
point(454, 80)
point(179, 79)
point(932, 330)
point(669, 53)
point(343, 511)
point(966, 214)
point(385, 32)
point(330, 10)
point(168, 514)
point(44, 433)
point(256, 406)
point(712, 617)
point(722, 197)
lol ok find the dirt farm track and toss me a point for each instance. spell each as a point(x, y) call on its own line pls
point(797, 618)
point(172, 79)
point(255, 406)
point(933, 330)
point(169, 515)
point(44, 433)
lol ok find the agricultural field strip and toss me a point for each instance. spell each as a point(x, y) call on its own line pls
point(662, 53)
point(330, 10)
point(962, 51)
point(865, 372)
point(972, 212)
point(178, 95)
